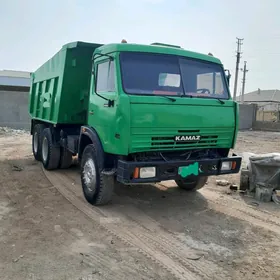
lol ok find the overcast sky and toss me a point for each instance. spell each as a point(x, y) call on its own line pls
point(33, 30)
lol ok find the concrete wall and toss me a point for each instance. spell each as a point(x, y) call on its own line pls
point(266, 126)
point(267, 116)
point(14, 109)
point(247, 114)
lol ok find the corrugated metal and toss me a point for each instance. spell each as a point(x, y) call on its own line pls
point(14, 81)
point(15, 74)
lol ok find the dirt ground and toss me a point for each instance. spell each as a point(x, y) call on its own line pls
point(48, 231)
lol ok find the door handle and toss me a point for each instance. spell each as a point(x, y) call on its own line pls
point(91, 112)
point(110, 103)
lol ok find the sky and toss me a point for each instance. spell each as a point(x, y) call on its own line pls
point(32, 31)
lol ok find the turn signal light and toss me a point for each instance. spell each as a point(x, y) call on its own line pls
point(144, 172)
point(136, 173)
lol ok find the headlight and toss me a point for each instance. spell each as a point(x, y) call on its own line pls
point(147, 172)
point(226, 165)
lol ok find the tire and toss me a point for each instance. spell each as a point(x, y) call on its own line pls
point(37, 141)
point(97, 186)
point(65, 158)
point(191, 184)
point(244, 180)
point(50, 151)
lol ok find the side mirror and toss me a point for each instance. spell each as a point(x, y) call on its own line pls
point(228, 75)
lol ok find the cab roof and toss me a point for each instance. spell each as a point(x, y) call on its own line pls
point(163, 49)
point(153, 48)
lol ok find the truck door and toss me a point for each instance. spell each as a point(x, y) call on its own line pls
point(101, 115)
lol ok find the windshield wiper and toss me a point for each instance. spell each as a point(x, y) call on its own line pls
point(169, 98)
point(220, 100)
point(191, 96)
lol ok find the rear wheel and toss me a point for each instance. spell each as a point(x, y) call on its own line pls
point(65, 158)
point(97, 186)
point(37, 141)
point(191, 184)
point(50, 151)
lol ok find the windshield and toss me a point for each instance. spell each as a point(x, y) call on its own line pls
point(161, 74)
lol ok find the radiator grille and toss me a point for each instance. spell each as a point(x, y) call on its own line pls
point(164, 139)
point(210, 140)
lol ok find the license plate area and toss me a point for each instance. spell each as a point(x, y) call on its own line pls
point(189, 170)
point(196, 169)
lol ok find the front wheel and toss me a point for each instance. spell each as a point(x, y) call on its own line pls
point(97, 186)
point(191, 184)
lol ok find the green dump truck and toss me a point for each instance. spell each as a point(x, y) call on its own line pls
point(133, 114)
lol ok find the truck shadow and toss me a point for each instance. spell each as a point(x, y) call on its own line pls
point(176, 210)
point(171, 206)
point(188, 216)
point(161, 196)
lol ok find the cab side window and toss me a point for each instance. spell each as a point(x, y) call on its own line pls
point(105, 81)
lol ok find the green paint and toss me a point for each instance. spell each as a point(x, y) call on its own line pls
point(45, 99)
point(68, 74)
point(62, 92)
point(191, 169)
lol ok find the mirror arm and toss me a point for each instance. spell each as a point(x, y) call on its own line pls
point(228, 76)
point(97, 55)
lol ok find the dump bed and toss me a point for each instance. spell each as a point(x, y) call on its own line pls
point(60, 87)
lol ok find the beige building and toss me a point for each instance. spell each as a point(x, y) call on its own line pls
point(268, 104)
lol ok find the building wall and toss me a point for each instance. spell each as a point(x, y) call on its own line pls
point(266, 126)
point(267, 116)
point(14, 109)
point(246, 116)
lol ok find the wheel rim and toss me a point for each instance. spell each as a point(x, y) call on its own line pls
point(45, 149)
point(36, 142)
point(89, 174)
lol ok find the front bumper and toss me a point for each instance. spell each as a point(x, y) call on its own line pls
point(165, 171)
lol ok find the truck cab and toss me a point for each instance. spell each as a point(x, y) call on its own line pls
point(154, 113)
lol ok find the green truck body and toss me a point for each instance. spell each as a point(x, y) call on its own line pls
point(60, 88)
point(143, 106)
